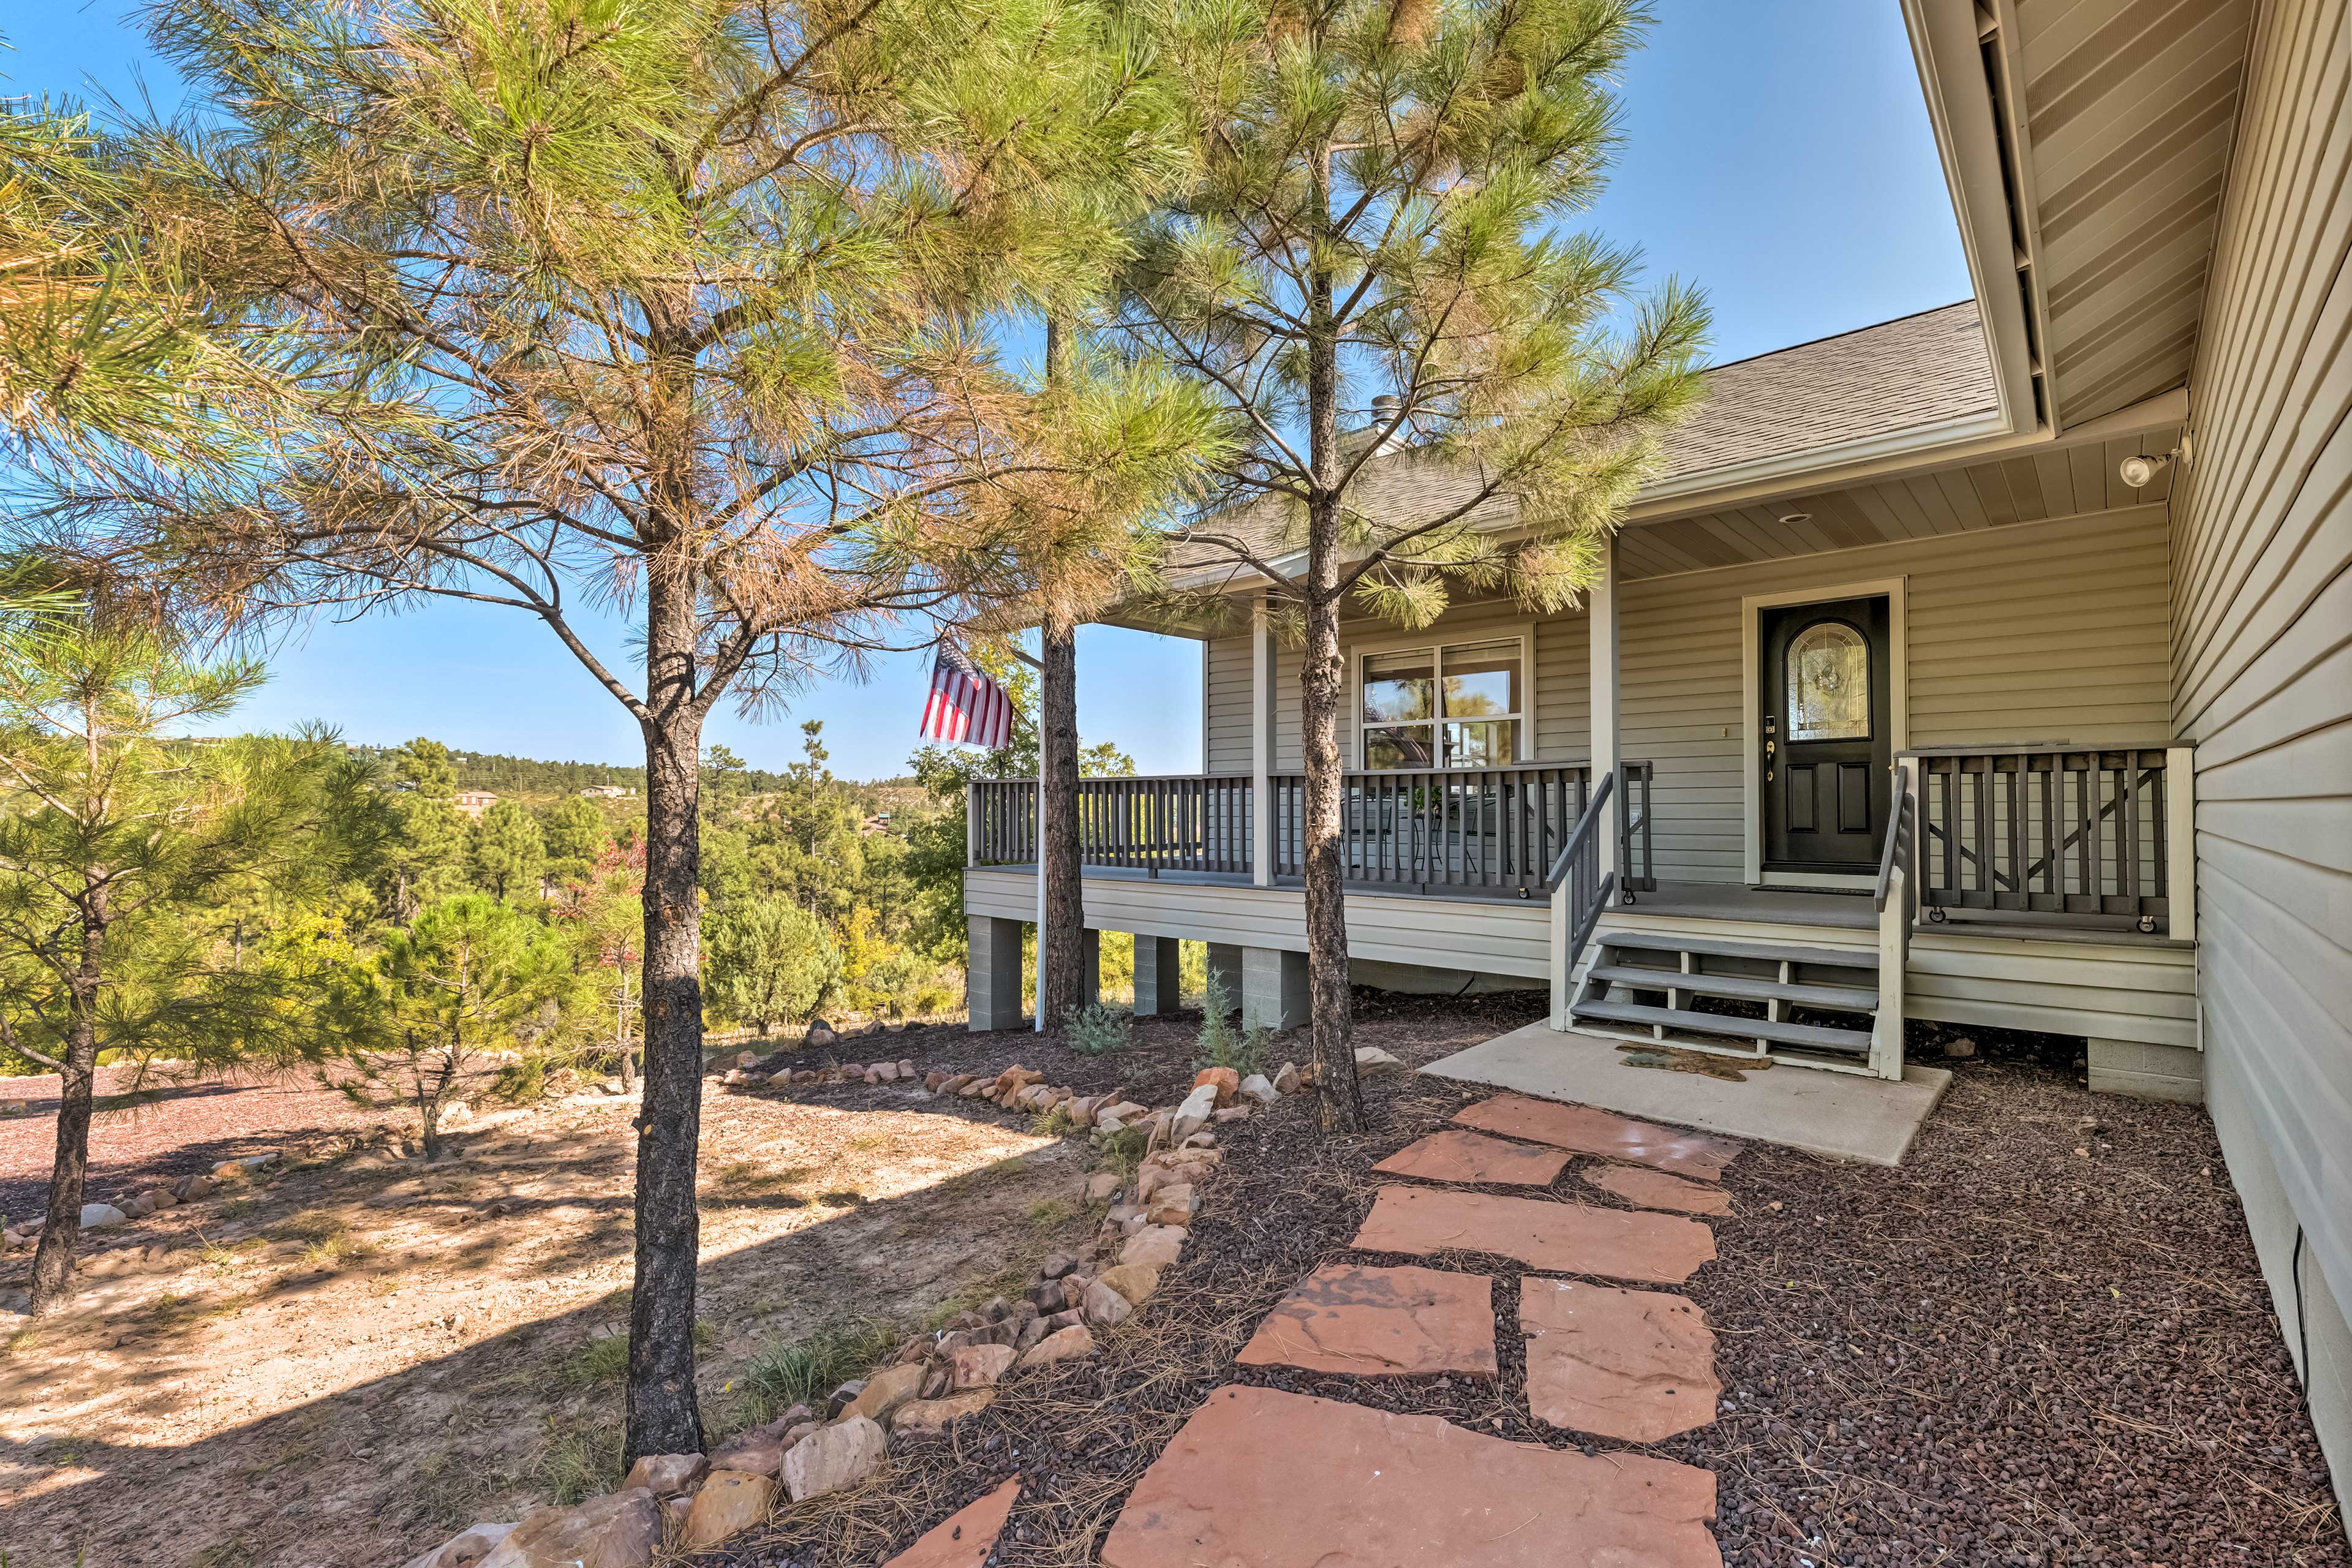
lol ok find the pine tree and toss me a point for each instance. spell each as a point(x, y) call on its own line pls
point(683, 307)
point(115, 841)
point(509, 854)
point(1376, 229)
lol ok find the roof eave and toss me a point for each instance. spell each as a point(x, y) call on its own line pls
point(1978, 143)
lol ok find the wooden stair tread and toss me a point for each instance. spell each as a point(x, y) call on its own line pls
point(1849, 998)
point(1721, 947)
point(1812, 1035)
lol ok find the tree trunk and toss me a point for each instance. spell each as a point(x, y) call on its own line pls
point(1338, 1104)
point(1062, 973)
point(53, 1262)
point(663, 1417)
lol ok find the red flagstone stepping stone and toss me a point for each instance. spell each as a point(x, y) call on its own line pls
point(1636, 1364)
point(1380, 1322)
point(1591, 1132)
point(965, 1538)
point(1657, 1190)
point(1455, 1155)
point(1562, 1238)
point(1260, 1478)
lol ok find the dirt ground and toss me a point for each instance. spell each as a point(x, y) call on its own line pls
point(2041, 1341)
point(2038, 1344)
point(343, 1362)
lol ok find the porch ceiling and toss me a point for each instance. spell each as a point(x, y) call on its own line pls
point(2047, 481)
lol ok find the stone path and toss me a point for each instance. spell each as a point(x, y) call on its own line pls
point(1455, 1155)
point(966, 1537)
point(1656, 1249)
point(1588, 1131)
point(1657, 1190)
point(1375, 1323)
point(1262, 1478)
point(1636, 1364)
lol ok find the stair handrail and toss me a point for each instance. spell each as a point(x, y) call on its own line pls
point(1895, 837)
point(1579, 893)
point(1897, 899)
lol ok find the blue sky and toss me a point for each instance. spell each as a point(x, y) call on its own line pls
point(1780, 157)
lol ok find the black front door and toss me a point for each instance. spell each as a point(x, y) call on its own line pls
point(1825, 735)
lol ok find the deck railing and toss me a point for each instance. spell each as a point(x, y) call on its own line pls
point(2075, 836)
point(1482, 832)
point(1173, 823)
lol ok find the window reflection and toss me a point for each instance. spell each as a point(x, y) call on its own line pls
point(1828, 684)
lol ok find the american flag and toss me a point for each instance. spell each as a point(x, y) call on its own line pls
point(965, 705)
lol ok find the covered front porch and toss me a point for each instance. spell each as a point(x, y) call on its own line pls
point(2027, 888)
point(1771, 808)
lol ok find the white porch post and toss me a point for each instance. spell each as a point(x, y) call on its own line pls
point(1261, 744)
point(1600, 602)
point(2181, 842)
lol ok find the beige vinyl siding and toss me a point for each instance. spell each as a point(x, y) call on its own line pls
point(2041, 632)
point(1489, 936)
point(2038, 632)
point(2263, 654)
point(1225, 694)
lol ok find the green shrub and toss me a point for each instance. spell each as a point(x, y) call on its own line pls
point(1097, 1028)
point(1223, 1042)
point(523, 1081)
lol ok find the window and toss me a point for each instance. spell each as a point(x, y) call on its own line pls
point(1828, 684)
point(1453, 707)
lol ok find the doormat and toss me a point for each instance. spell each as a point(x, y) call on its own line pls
point(1670, 1058)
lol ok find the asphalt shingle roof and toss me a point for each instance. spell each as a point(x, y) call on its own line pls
point(1924, 370)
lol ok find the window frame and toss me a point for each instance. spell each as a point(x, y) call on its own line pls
point(1436, 643)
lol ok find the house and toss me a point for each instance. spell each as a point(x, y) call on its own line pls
point(1991, 666)
point(474, 801)
point(606, 792)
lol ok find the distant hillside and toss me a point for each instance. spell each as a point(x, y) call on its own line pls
point(523, 777)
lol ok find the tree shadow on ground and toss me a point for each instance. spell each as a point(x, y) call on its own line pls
point(470, 1428)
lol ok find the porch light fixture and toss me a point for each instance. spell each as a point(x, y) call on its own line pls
point(1793, 517)
point(2140, 473)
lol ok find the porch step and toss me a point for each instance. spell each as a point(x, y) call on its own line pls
point(1722, 947)
point(1811, 1037)
point(1845, 998)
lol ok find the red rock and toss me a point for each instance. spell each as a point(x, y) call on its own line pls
point(1657, 1190)
point(1567, 1239)
point(729, 1503)
point(965, 1538)
point(1380, 1322)
point(1455, 1155)
point(1589, 1132)
point(1636, 1364)
point(1228, 1083)
point(1260, 1478)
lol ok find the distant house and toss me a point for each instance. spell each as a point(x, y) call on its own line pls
point(474, 801)
point(606, 792)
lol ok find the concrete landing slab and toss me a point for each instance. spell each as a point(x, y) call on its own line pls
point(1636, 1364)
point(1560, 1238)
point(1839, 1114)
point(1365, 1321)
point(1456, 1155)
point(1260, 1478)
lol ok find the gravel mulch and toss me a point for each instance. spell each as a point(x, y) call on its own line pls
point(2044, 1340)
